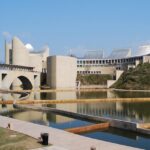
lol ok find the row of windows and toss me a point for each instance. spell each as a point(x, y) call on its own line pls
point(89, 72)
point(108, 61)
point(89, 65)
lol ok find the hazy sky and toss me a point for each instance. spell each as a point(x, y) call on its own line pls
point(76, 24)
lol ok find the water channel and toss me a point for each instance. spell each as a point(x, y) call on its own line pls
point(134, 111)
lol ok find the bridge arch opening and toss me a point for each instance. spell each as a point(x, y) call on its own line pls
point(21, 82)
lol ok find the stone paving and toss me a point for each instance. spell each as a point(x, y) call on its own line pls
point(50, 148)
point(59, 138)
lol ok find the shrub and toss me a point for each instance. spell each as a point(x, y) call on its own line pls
point(93, 79)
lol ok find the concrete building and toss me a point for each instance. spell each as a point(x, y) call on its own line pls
point(114, 65)
point(118, 60)
point(61, 72)
point(17, 53)
point(26, 76)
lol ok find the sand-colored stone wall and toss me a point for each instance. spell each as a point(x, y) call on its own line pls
point(61, 72)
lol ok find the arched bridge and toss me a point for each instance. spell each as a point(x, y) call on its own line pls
point(11, 73)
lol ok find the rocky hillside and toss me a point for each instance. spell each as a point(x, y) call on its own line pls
point(137, 79)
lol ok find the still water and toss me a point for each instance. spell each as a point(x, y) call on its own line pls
point(112, 134)
point(137, 112)
point(121, 137)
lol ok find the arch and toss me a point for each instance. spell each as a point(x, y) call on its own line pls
point(27, 80)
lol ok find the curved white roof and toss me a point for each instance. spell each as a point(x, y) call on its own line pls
point(94, 54)
point(143, 50)
point(120, 53)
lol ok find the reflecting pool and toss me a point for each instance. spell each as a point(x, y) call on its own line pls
point(131, 111)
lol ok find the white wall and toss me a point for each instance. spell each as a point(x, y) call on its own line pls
point(104, 70)
point(35, 61)
point(20, 53)
point(111, 82)
point(12, 75)
point(22, 56)
point(61, 72)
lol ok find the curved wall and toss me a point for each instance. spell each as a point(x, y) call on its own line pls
point(20, 54)
point(61, 72)
point(17, 53)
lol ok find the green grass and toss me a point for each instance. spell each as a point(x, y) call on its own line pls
point(137, 79)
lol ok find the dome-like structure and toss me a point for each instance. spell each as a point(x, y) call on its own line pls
point(29, 47)
point(143, 50)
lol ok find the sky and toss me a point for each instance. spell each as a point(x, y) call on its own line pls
point(76, 26)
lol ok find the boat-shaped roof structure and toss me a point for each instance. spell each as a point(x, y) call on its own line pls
point(120, 53)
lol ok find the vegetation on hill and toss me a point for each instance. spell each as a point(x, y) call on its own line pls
point(93, 79)
point(137, 78)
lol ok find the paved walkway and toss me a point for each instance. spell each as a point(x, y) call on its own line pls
point(50, 148)
point(61, 138)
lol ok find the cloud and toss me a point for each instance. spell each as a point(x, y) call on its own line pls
point(7, 35)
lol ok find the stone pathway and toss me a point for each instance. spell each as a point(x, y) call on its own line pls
point(50, 148)
point(60, 138)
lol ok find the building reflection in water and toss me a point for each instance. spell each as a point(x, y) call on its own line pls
point(42, 117)
point(126, 111)
point(67, 106)
point(15, 96)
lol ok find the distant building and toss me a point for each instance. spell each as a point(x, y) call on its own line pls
point(120, 59)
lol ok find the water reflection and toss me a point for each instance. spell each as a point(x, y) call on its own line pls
point(43, 118)
point(135, 111)
point(130, 94)
point(18, 96)
point(92, 95)
point(59, 95)
point(119, 110)
point(74, 95)
point(61, 122)
point(122, 110)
